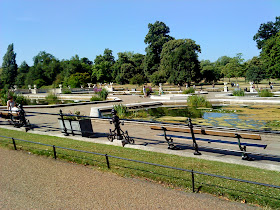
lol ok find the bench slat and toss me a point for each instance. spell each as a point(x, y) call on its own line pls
point(216, 140)
point(208, 132)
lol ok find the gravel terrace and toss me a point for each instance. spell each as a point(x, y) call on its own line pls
point(35, 182)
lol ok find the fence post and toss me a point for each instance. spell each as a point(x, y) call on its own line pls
point(107, 161)
point(193, 181)
point(14, 143)
point(54, 152)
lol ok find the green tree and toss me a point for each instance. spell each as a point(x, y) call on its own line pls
point(9, 67)
point(22, 73)
point(179, 60)
point(271, 56)
point(209, 71)
point(157, 36)
point(255, 71)
point(266, 31)
point(102, 71)
point(45, 69)
point(78, 79)
point(221, 63)
point(234, 68)
point(128, 66)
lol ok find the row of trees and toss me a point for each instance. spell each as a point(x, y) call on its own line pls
point(167, 60)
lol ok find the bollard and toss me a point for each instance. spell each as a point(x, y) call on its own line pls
point(14, 143)
point(107, 161)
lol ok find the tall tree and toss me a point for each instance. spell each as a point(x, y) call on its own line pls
point(266, 31)
point(46, 68)
point(157, 36)
point(209, 71)
point(234, 68)
point(271, 56)
point(9, 67)
point(255, 71)
point(102, 70)
point(22, 73)
point(179, 60)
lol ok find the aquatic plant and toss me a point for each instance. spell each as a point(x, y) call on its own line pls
point(238, 92)
point(189, 90)
point(122, 110)
point(198, 101)
point(265, 93)
point(52, 99)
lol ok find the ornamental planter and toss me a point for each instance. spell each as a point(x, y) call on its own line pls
point(77, 127)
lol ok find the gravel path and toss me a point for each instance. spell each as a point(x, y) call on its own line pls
point(35, 182)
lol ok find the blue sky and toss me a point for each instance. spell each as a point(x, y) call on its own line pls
point(86, 27)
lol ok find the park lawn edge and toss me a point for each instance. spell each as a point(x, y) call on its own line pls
point(214, 167)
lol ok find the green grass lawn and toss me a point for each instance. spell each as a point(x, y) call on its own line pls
point(243, 192)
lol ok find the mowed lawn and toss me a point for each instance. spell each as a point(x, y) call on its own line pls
point(258, 195)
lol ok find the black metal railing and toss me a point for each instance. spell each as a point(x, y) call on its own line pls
point(107, 156)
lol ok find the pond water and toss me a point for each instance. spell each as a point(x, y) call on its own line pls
point(232, 120)
point(217, 117)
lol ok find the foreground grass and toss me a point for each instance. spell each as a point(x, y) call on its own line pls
point(233, 190)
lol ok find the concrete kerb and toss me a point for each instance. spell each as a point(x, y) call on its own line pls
point(115, 99)
point(104, 140)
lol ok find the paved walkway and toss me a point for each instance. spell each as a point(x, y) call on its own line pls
point(35, 182)
point(148, 139)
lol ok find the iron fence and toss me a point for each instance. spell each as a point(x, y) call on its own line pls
point(107, 156)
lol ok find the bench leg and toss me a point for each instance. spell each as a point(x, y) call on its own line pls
point(245, 155)
point(195, 146)
point(169, 141)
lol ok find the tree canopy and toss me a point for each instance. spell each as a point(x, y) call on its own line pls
point(157, 36)
point(9, 67)
point(266, 31)
point(271, 56)
point(179, 60)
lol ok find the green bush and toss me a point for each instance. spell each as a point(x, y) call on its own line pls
point(103, 94)
point(265, 93)
point(95, 98)
point(122, 110)
point(189, 90)
point(66, 91)
point(198, 101)
point(238, 92)
point(52, 99)
point(18, 98)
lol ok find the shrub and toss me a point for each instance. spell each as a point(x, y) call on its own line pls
point(19, 99)
point(238, 92)
point(66, 91)
point(189, 90)
point(95, 98)
point(149, 90)
point(198, 101)
point(103, 94)
point(265, 93)
point(121, 109)
point(69, 117)
point(52, 99)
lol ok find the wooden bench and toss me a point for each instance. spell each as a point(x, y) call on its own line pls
point(208, 132)
point(242, 146)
